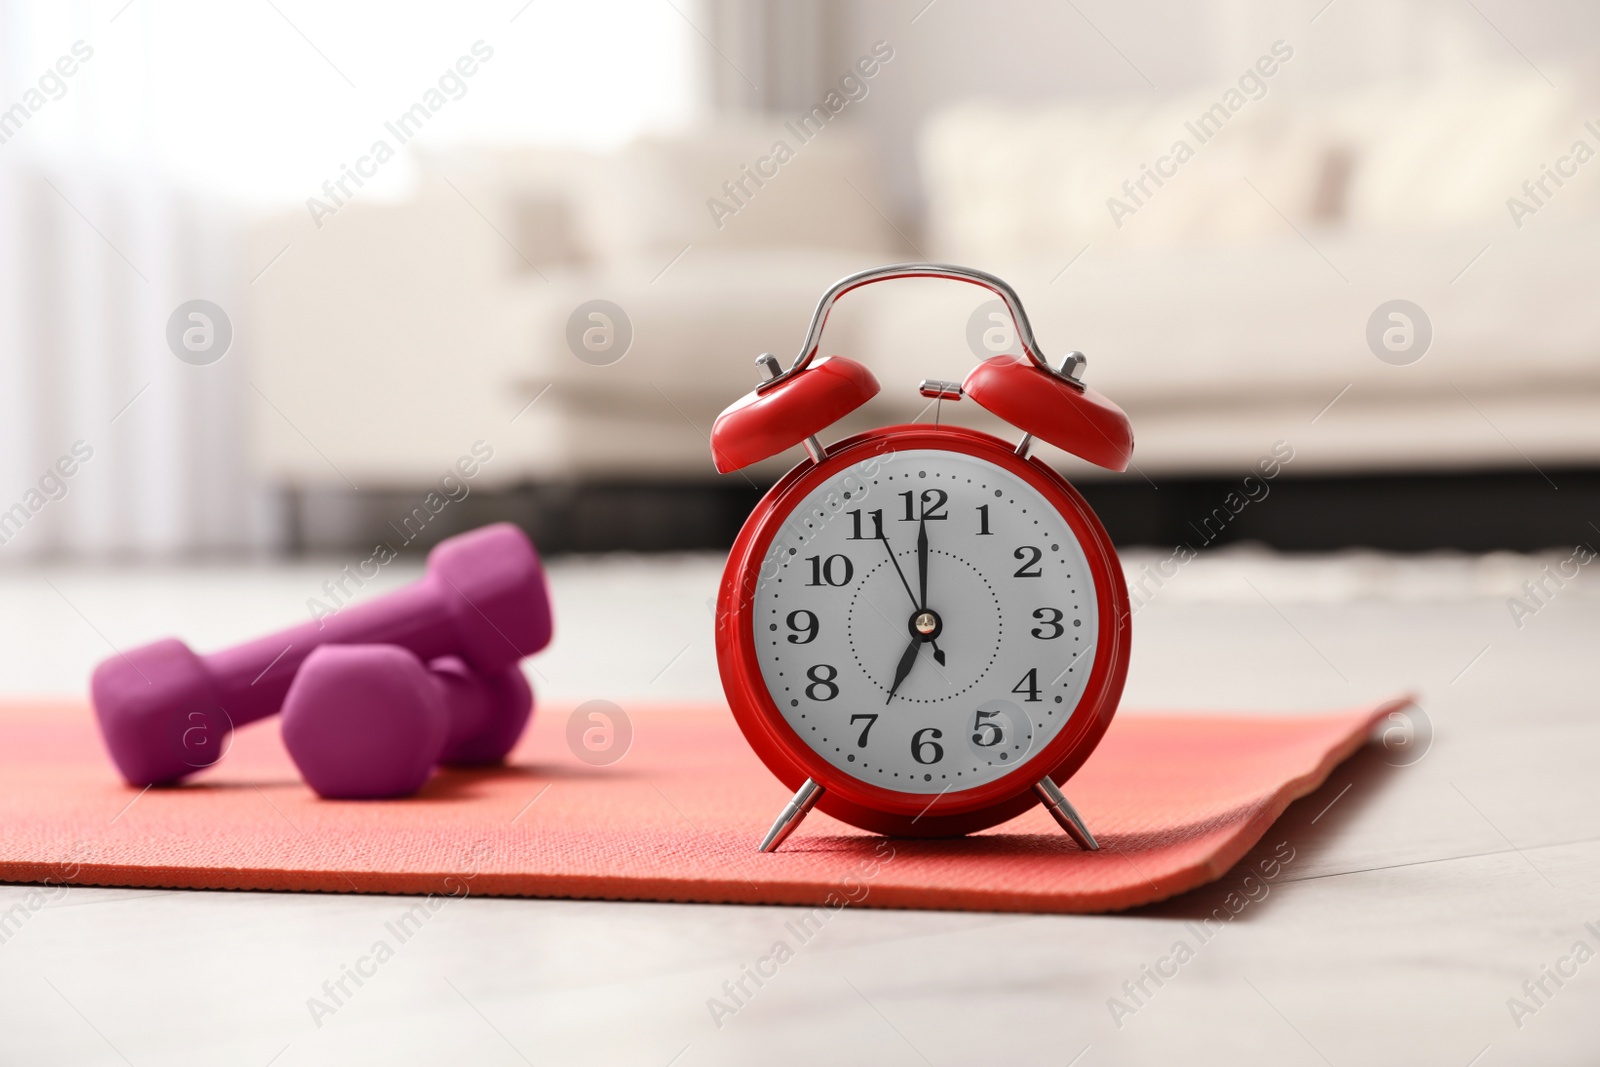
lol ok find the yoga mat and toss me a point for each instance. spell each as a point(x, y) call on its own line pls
point(1174, 800)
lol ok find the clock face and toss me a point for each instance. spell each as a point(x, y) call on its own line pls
point(927, 622)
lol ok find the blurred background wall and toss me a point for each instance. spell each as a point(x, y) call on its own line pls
point(550, 239)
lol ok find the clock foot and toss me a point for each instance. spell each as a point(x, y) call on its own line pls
point(793, 813)
point(1065, 814)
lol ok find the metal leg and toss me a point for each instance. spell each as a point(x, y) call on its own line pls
point(791, 816)
point(1058, 806)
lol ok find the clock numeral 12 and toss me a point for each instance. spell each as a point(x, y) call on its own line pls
point(933, 502)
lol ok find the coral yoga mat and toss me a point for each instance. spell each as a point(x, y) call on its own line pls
point(1174, 800)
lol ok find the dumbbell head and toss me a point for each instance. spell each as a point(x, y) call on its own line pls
point(371, 721)
point(364, 721)
point(160, 712)
point(488, 712)
point(491, 582)
point(165, 712)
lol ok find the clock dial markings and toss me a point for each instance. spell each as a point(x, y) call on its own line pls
point(1011, 592)
point(866, 634)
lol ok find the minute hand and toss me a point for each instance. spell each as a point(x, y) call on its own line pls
point(922, 563)
point(922, 581)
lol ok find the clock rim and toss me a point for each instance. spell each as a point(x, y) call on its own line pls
point(877, 808)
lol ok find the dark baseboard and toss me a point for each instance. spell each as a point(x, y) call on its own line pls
point(1396, 512)
point(561, 519)
point(1470, 512)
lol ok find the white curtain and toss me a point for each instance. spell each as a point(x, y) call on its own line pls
point(773, 55)
point(101, 236)
point(94, 257)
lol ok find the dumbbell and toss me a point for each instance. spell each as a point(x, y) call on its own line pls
point(372, 721)
point(166, 712)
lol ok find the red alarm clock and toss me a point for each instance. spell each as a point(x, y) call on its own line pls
point(921, 629)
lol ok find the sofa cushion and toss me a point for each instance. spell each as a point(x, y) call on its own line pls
point(742, 185)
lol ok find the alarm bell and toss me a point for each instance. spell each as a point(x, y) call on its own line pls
point(792, 406)
point(787, 410)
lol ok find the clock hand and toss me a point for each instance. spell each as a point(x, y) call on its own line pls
point(922, 563)
point(922, 580)
point(892, 559)
point(909, 657)
point(906, 660)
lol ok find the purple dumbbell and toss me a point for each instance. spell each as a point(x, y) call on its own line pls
point(372, 721)
point(166, 712)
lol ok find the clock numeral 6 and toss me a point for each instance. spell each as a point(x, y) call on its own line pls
point(871, 717)
point(1030, 557)
point(822, 676)
point(1050, 617)
point(805, 622)
point(835, 570)
point(922, 746)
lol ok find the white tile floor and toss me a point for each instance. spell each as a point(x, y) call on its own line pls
point(1415, 907)
point(62, 620)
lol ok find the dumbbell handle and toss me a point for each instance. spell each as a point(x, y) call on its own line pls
point(255, 676)
point(483, 599)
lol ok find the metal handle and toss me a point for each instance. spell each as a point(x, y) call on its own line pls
point(1071, 367)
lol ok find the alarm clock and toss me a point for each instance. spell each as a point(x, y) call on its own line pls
point(922, 629)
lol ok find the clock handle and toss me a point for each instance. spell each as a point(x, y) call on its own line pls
point(1061, 808)
point(1072, 366)
point(791, 815)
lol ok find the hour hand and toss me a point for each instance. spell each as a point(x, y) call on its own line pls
point(906, 660)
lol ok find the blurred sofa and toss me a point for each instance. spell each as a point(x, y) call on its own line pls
point(1231, 308)
point(1229, 311)
point(401, 332)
